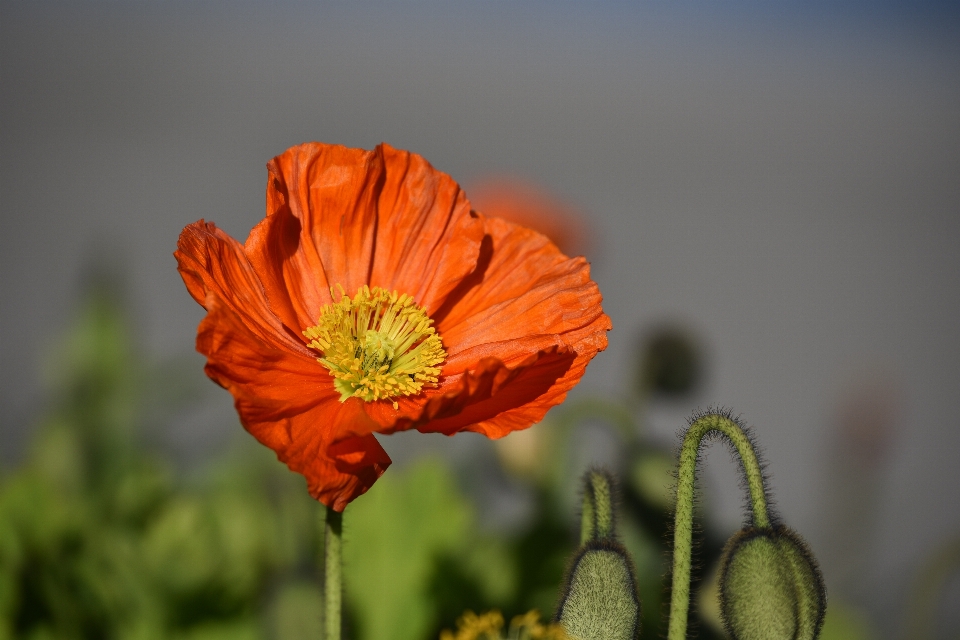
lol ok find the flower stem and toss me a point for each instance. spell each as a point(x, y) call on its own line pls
point(683, 523)
point(333, 576)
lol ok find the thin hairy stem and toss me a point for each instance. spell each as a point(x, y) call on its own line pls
point(683, 523)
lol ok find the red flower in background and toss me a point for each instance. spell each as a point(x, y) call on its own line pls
point(529, 205)
point(373, 299)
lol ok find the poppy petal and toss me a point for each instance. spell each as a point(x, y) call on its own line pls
point(528, 205)
point(212, 263)
point(527, 287)
point(337, 470)
point(528, 297)
point(238, 360)
point(531, 307)
point(428, 239)
point(338, 216)
point(320, 227)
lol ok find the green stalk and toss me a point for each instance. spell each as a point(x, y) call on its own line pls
point(683, 523)
point(333, 574)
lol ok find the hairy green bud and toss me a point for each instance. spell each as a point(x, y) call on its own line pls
point(770, 587)
point(599, 600)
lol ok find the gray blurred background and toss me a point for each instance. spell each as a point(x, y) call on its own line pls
point(782, 180)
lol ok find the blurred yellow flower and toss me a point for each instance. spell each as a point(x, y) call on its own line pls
point(489, 626)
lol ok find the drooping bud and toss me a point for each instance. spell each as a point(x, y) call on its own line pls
point(599, 598)
point(770, 587)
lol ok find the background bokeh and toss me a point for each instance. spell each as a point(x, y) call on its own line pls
point(783, 181)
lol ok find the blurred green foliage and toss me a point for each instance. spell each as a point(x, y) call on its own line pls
point(101, 538)
point(103, 535)
point(398, 576)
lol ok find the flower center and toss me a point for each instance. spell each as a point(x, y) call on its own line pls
point(377, 345)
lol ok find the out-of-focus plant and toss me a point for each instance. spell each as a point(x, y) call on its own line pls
point(669, 363)
point(100, 537)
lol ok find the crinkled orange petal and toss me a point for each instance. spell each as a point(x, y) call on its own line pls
point(279, 381)
point(319, 230)
point(212, 263)
point(338, 216)
point(521, 401)
point(428, 239)
point(527, 288)
point(337, 468)
point(528, 292)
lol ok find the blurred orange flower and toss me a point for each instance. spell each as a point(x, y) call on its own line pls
point(373, 299)
point(531, 206)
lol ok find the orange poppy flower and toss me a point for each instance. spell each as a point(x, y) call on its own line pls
point(373, 299)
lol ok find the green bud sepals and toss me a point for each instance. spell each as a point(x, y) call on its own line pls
point(770, 587)
point(599, 599)
point(808, 581)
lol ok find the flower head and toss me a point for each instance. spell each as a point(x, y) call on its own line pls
point(373, 299)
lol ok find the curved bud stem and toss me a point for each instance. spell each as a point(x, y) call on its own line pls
point(683, 523)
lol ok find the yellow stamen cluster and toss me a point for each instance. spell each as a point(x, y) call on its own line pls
point(489, 626)
point(377, 345)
